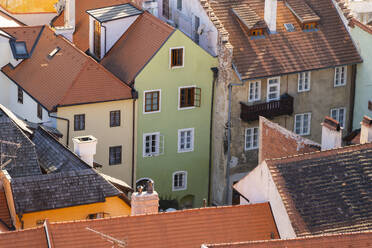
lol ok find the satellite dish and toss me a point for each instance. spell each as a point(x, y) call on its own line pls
point(201, 29)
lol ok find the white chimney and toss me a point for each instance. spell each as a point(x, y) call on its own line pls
point(331, 134)
point(85, 148)
point(145, 202)
point(69, 27)
point(270, 14)
point(366, 130)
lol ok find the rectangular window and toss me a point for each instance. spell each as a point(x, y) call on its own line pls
point(79, 122)
point(251, 138)
point(186, 140)
point(115, 118)
point(176, 57)
point(20, 95)
point(340, 76)
point(39, 112)
point(189, 97)
point(302, 124)
point(152, 101)
point(115, 155)
point(179, 5)
point(166, 9)
point(304, 81)
point(254, 91)
point(339, 115)
point(97, 39)
point(153, 144)
point(273, 89)
point(179, 180)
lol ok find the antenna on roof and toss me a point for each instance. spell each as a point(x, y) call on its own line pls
point(8, 152)
point(120, 243)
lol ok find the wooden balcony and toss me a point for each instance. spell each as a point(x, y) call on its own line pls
point(284, 106)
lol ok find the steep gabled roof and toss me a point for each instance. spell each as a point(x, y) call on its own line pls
point(69, 77)
point(328, 191)
point(136, 47)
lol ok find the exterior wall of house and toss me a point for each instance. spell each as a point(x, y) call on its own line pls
point(32, 18)
point(5, 58)
point(97, 123)
point(363, 88)
point(184, 19)
point(258, 187)
point(158, 75)
point(113, 206)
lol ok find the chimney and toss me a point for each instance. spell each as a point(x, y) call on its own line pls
point(70, 14)
point(85, 148)
point(366, 130)
point(331, 134)
point(270, 14)
point(145, 202)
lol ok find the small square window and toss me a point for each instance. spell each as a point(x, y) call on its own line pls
point(79, 122)
point(19, 49)
point(152, 101)
point(186, 140)
point(20, 95)
point(153, 144)
point(179, 180)
point(39, 112)
point(115, 155)
point(302, 124)
point(339, 114)
point(115, 118)
point(177, 57)
point(251, 138)
point(254, 91)
point(190, 97)
point(340, 76)
point(303, 81)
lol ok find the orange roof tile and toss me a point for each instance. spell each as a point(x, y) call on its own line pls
point(349, 240)
point(81, 35)
point(4, 210)
point(188, 228)
point(70, 77)
point(139, 43)
point(26, 238)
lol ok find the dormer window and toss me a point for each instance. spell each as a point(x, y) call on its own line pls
point(310, 26)
point(19, 49)
point(256, 32)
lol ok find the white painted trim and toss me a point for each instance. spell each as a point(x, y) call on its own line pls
point(302, 124)
point(157, 152)
point(298, 82)
point(268, 87)
point(183, 57)
point(185, 176)
point(259, 91)
point(179, 97)
point(192, 140)
point(245, 139)
point(338, 114)
point(144, 102)
point(345, 77)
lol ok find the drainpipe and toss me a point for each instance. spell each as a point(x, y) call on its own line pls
point(135, 97)
point(215, 76)
point(68, 126)
point(105, 40)
point(352, 98)
point(20, 215)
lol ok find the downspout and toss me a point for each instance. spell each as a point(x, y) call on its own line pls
point(352, 97)
point(105, 40)
point(68, 126)
point(215, 76)
point(135, 97)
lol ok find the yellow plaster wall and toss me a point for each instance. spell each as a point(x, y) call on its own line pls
point(97, 123)
point(28, 6)
point(114, 206)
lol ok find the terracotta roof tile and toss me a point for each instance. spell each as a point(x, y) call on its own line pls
point(188, 228)
point(302, 11)
point(26, 238)
point(349, 240)
point(4, 210)
point(27, 34)
point(287, 52)
point(70, 77)
point(248, 17)
point(81, 35)
point(139, 43)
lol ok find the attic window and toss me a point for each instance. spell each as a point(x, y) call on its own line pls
point(256, 32)
point(19, 49)
point(54, 52)
point(310, 26)
point(289, 27)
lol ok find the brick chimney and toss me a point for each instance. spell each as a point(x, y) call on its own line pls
point(331, 134)
point(270, 14)
point(85, 148)
point(366, 130)
point(145, 202)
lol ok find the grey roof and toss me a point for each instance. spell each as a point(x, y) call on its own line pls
point(53, 156)
point(331, 191)
point(59, 190)
point(25, 163)
point(114, 12)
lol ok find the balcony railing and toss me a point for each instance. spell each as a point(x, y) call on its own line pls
point(284, 106)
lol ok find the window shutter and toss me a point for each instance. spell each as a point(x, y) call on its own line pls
point(197, 97)
point(161, 145)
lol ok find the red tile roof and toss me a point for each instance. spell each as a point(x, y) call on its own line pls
point(4, 210)
point(139, 43)
point(70, 77)
point(27, 34)
point(286, 52)
point(349, 240)
point(26, 238)
point(81, 35)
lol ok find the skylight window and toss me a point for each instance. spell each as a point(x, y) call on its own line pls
point(54, 52)
point(289, 27)
point(19, 49)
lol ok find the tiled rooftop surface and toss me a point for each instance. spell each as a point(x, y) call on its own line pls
point(247, 16)
point(287, 52)
point(114, 12)
point(4, 210)
point(302, 11)
point(327, 192)
point(70, 77)
point(34, 237)
point(27, 34)
point(136, 47)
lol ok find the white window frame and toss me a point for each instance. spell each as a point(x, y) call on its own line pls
point(303, 82)
point(338, 115)
point(302, 124)
point(157, 152)
point(338, 79)
point(144, 102)
point(268, 89)
point(255, 97)
point(192, 140)
point(185, 181)
point(183, 57)
point(252, 138)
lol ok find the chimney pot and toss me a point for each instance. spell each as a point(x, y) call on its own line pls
point(139, 189)
point(150, 187)
point(331, 134)
point(366, 130)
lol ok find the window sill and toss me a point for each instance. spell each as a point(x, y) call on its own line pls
point(150, 155)
point(180, 189)
point(152, 112)
point(183, 151)
point(301, 91)
point(177, 67)
point(185, 108)
point(250, 149)
point(340, 85)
